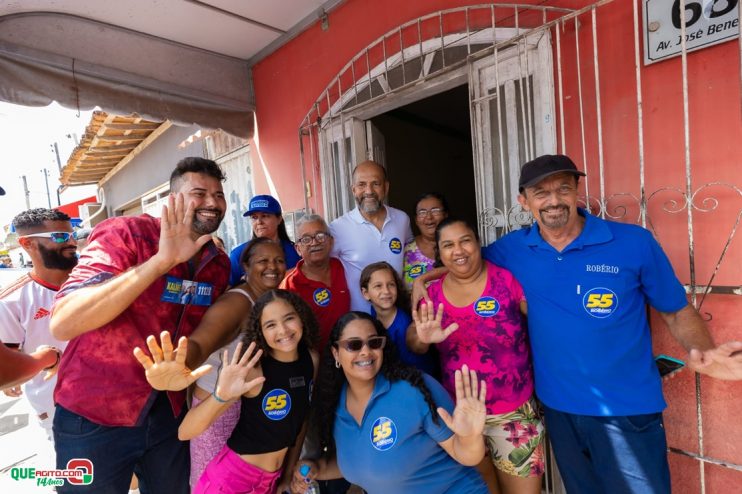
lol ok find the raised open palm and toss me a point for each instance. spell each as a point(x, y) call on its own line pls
point(428, 323)
point(166, 370)
point(176, 231)
point(470, 412)
point(233, 378)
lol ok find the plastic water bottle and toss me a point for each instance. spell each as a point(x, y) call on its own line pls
point(312, 485)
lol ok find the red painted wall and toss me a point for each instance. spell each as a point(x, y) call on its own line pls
point(289, 81)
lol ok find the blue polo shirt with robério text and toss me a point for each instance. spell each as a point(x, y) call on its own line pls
point(587, 316)
point(395, 448)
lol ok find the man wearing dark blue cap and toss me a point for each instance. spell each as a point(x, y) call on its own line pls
point(264, 212)
point(587, 282)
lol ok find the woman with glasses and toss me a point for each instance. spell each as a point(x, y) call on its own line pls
point(419, 255)
point(389, 428)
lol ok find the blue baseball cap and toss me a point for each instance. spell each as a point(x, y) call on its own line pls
point(263, 204)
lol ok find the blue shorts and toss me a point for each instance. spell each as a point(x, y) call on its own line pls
point(623, 454)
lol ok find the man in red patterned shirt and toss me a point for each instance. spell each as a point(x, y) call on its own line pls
point(124, 289)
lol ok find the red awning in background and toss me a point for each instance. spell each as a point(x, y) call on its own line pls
point(71, 209)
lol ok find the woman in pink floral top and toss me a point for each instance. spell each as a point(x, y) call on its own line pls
point(419, 255)
point(480, 305)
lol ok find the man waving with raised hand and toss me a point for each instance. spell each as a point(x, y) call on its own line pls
point(126, 288)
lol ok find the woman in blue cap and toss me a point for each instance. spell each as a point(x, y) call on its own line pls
point(264, 212)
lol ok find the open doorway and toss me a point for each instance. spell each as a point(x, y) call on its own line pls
point(427, 147)
point(464, 135)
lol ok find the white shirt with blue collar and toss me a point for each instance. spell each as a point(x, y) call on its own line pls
point(359, 243)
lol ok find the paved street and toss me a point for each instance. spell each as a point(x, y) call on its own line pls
point(23, 443)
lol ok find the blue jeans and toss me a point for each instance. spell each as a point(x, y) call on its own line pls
point(151, 450)
point(622, 454)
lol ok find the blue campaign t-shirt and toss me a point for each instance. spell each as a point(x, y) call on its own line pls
point(427, 362)
point(237, 272)
point(395, 449)
point(587, 317)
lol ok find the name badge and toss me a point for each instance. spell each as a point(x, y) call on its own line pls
point(297, 382)
point(186, 292)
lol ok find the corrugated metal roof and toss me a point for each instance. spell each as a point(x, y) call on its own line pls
point(107, 141)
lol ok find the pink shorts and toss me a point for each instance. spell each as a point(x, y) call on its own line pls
point(228, 473)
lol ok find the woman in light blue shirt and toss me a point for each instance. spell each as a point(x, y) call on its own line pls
point(388, 427)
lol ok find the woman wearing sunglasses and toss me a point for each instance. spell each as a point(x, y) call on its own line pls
point(389, 428)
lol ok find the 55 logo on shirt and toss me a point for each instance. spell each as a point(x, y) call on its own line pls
point(395, 245)
point(486, 306)
point(416, 270)
point(276, 404)
point(600, 302)
point(383, 433)
point(321, 297)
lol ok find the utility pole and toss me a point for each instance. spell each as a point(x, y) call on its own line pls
point(26, 192)
point(55, 150)
point(46, 179)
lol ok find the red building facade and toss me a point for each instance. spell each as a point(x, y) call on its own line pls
point(454, 96)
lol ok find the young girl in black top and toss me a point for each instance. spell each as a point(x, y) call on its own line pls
point(274, 384)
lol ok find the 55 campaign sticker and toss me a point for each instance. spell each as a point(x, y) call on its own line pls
point(416, 270)
point(383, 433)
point(395, 245)
point(322, 297)
point(486, 306)
point(600, 302)
point(276, 404)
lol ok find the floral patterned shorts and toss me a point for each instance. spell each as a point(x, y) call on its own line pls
point(515, 440)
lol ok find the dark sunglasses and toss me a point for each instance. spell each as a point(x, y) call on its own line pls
point(56, 237)
point(355, 345)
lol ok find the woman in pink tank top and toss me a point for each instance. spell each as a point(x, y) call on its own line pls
point(480, 305)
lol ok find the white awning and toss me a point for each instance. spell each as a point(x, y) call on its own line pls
point(186, 61)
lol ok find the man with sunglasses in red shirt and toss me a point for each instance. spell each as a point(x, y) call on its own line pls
point(26, 304)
